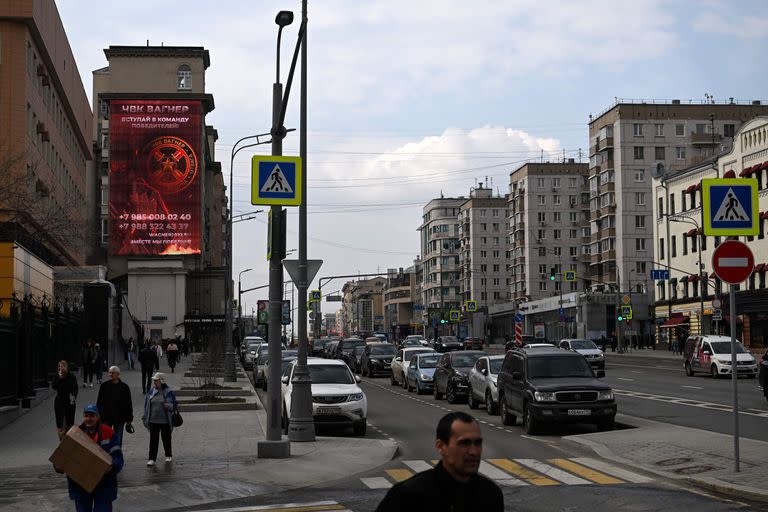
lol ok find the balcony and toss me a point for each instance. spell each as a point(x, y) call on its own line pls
point(608, 255)
point(603, 233)
point(705, 139)
point(606, 143)
point(519, 226)
point(607, 187)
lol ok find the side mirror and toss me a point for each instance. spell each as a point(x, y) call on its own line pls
point(517, 376)
point(398, 359)
point(284, 380)
point(484, 371)
point(358, 379)
point(707, 353)
point(600, 374)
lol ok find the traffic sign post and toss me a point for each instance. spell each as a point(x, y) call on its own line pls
point(276, 180)
point(733, 262)
point(730, 206)
point(315, 296)
point(626, 312)
point(455, 315)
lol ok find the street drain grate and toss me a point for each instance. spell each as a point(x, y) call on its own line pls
point(674, 462)
point(694, 470)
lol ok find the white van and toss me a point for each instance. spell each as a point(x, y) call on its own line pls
point(712, 354)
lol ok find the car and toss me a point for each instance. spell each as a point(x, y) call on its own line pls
point(373, 339)
point(259, 362)
point(412, 342)
point(330, 349)
point(250, 353)
point(249, 340)
point(286, 357)
point(318, 344)
point(553, 386)
point(345, 348)
point(354, 363)
point(594, 356)
point(712, 354)
point(337, 400)
point(401, 361)
point(447, 343)
point(472, 343)
point(452, 374)
point(382, 337)
point(421, 370)
point(482, 384)
point(417, 337)
point(377, 359)
point(527, 339)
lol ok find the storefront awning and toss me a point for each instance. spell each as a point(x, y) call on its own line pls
point(746, 172)
point(698, 186)
point(693, 278)
point(759, 267)
point(675, 321)
point(689, 189)
point(764, 165)
point(730, 174)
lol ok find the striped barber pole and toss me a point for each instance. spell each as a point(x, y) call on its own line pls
point(519, 334)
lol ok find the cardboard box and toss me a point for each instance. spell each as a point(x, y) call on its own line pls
point(81, 459)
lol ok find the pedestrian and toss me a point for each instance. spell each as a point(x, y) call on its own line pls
point(105, 492)
point(172, 354)
point(131, 353)
point(65, 384)
point(159, 404)
point(149, 363)
point(89, 358)
point(100, 363)
point(185, 346)
point(614, 341)
point(114, 402)
point(763, 372)
point(159, 349)
point(454, 483)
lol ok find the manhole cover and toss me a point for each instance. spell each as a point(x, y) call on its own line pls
point(694, 470)
point(674, 462)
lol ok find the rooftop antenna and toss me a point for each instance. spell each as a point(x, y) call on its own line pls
point(147, 42)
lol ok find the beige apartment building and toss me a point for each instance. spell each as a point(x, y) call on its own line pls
point(629, 141)
point(402, 315)
point(363, 306)
point(483, 257)
point(156, 196)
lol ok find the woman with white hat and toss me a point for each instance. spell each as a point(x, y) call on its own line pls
point(159, 404)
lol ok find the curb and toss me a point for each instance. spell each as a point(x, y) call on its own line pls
point(187, 406)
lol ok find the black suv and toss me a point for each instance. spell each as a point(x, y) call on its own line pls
point(377, 358)
point(452, 374)
point(346, 347)
point(447, 343)
point(549, 385)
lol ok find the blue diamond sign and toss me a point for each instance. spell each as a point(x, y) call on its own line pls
point(730, 206)
point(276, 180)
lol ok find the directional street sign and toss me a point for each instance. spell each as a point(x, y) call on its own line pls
point(626, 312)
point(733, 261)
point(276, 180)
point(730, 206)
point(334, 298)
point(570, 275)
point(455, 315)
point(659, 274)
point(717, 315)
point(285, 312)
point(471, 306)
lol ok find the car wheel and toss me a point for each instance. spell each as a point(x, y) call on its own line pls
point(507, 418)
point(713, 371)
point(360, 427)
point(688, 369)
point(438, 394)
point(450, 393)
point(471, 402)
point(490, 407)
point(530, 424)
point(419, 391)
point(392, 379)
point(405, 382)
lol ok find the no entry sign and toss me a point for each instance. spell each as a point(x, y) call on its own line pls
point(733, 261)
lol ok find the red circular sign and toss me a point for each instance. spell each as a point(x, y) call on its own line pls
point(733, 261)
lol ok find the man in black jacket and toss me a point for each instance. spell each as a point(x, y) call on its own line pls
point(454, 483)
point(115, 403)
point(149, 363)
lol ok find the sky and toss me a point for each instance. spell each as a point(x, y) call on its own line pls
point(410, 100)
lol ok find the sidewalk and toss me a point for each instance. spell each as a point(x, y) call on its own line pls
point(214, 458)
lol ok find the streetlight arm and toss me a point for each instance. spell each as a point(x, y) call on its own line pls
point(288, 82)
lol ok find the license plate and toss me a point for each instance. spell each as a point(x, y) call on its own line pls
point(326, 411)
point(579, 412)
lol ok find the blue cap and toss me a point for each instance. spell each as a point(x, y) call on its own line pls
point(91, 409)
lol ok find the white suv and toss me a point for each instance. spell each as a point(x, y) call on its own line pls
point(712, 354)
point(337, 400)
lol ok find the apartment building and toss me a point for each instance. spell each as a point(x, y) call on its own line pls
point(483, 257)
point(363, 306)
point(45, 126)
point(439, 240)
point(683, 303)
point(401, 313)
point(629, 141)
point(156, 194)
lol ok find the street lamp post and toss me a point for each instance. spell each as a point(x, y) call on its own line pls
point(240, 305)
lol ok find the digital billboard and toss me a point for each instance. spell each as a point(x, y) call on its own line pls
point(154, 177)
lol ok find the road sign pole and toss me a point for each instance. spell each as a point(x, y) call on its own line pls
point(734, 379)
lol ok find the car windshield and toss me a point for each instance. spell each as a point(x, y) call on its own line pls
point(351, 344)
point(330, 374)
point(583, 345)
point(449, 339)
point(320, 343)
point(465, 360)
point(411, 343)
point(407, 355)
point(496, 365)
point(724, 347)
point(428, 361)
point(558, 366)
point(383, 350)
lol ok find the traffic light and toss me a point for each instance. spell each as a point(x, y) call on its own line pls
point(620, 318)
point(552, 273)
point(443, 321)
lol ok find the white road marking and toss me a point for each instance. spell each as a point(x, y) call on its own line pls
point(319, 505)
point(629, 380)
point(417, 465)
point(492, 472)
point(553, 472)
point(377, 482)
point(693, 387)
point(533, 438)
point(612, 470)
point(690, 403)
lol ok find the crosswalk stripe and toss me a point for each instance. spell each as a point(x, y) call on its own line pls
point(399, 475)
point(613, 470)
point(377, 482)
point(588, 473)
point(553, 472)
point(511, 482)
point(417, 465)
point(288, 507)
point(492, 472)
point(524, 473)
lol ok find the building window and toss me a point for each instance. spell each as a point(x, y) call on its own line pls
point(685, 245)
point(640, 198)
point(104, 231)
point(543, 253)
point(729, 130)
point(556, 199)
point(673, 247)
point(540, 182)
point(672, 203)
point(558, 217)
point(639, 176)
point(661, 248)
point(640, 221)
point(640, 268)
point(573, 233)
point(680, 130)
point(542, 216)
point(184, 78)
point(639, 154)
point(542, 286)
point(694, 238)
point(680, 152)
point(542, 268)
point(703, 243)
point(658, 153)
point(659, 129)
point(640, 244)
point(542, 200)
point(572, 182)
point(557, 234)
point(555, 182)
point(662, 291)
point(557, 251)
point(637, 130)
point(661, 208)
point(572, 216)
point(542, 234)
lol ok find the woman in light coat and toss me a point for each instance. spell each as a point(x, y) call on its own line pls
point(159, 404)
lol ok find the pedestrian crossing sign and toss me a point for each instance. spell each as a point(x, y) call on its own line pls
point(730, 206)
point(455, 315)
point(626, 312)
point(570, 276)
point(471, 306)
point(276, 180)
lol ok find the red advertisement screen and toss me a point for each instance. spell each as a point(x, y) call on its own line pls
point(154, 177)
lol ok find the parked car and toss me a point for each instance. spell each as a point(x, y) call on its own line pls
point(377, 359)
point(472, 343)
point(355, 364)
point(259, 362)
point(527, 339)
point(250, 353)
point(373, 339)
point(549, 385)
point(452, 374)
point(421, 370)
point(249, 340)
point(417, 337)
point(345, 348)
point(330, 349)
point(712, 354)
point(286, 357)
point(383, 337)
point(337, 400)
point(482, 383)
point(411, 342)
point(401, 361)
point(594, 356)
point(447, 343)
point(318, 344)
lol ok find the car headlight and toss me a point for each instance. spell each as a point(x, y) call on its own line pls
point(544, 396)
point(725, 362)
point(425, 377)
point(355, 397)
point(605, 395)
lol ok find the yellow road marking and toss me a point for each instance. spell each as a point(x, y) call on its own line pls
point(434, 462)
point(583, 471)
point(400, 474)
point(524, 473)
